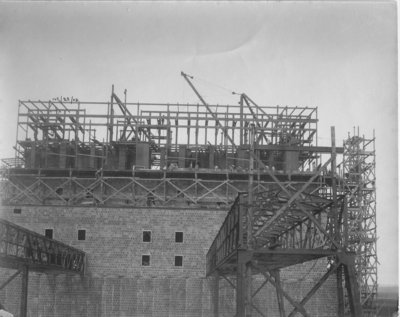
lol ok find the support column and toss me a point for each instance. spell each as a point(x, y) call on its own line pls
point(216, 295)
point(353, 291)
point(24, 292)
point(241, 288)
point(335, 225)
point(352, 287)
point(249, 229)
point(276, 275)
point(111, 117)
point(340, 294)
point(249, 290)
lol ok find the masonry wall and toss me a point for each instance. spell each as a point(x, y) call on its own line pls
point(116, 283)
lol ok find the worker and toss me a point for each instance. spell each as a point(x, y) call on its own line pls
point(4, 313)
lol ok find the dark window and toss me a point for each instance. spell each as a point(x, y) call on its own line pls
point(146, 236)
point(178, 260)
point(81, 234)
point(48, 233)
point(179, 237)
point(145, 260)
point(17, 210)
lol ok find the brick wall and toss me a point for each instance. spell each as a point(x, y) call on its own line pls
point(116, 284)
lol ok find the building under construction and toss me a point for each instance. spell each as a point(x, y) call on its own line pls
point(141, 209)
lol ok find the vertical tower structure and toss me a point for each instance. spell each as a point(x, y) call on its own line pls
point(358, 183)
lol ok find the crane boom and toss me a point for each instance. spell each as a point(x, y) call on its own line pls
point(186, 76)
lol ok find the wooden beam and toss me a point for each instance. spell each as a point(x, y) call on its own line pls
point(259, 288)
point(290, 300)
point(10, 279)
point(228, 280)
point(314, 289)
point(317, 149)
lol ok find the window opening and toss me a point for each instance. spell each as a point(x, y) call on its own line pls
point(145, 260)
point(48, 233)
point(146, 236)
point(17, 210)
point(179, 237)
point(81, 234)
point(178, 260)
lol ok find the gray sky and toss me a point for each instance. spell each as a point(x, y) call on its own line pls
point(339, 56)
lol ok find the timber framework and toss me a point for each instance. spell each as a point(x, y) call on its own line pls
point(290, 200)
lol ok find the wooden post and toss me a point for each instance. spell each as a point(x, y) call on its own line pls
point(111, 117)
point(250, 192)
point(335, 225)
point(250, 242)
point(241, 119)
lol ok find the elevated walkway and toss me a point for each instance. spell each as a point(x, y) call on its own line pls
point(268, 231)
point(24, 250)
point(22, 247)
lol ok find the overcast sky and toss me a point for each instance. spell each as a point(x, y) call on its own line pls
point(338, 56)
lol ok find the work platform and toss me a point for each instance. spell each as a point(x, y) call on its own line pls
point(191, 188)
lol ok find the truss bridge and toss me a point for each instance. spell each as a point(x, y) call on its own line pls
point(24, 250)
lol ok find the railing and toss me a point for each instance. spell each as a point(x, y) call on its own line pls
point(304, 224)
point(22, 246)
point(14, 162)
point(229, 238)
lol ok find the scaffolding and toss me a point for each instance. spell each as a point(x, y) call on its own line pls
point(289, 224)
point(298, 197)
point(358, 183)
point(146, 154)
point(117, 135)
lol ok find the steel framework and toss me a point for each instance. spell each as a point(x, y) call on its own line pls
point(358, 182)
point(24, 250)
point(93, 135)
point(287, 225)
point(20, 246)
point(143, 154)
point(204, 155)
